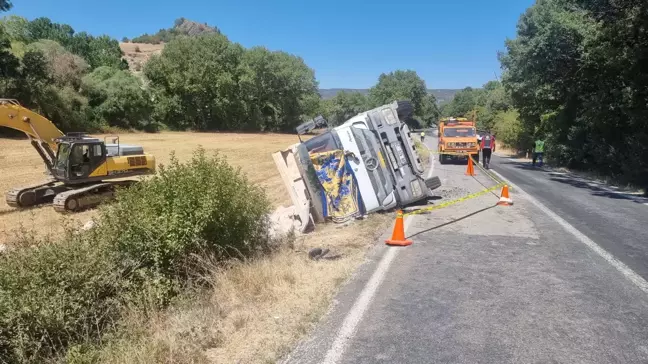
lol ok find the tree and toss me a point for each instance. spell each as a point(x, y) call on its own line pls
point(576, 72)
point(118, 98)
point(5, 5)
point(9, 67)
point(201, 74)
point(209, 83)
point(343, 106)
point(278, 89)
point(65, 68)
point(44, 28)
point(404, 85)
point(462, 104)
point(16, 28)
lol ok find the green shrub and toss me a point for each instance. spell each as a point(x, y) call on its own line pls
point(203, 207)
point(58, 298)
point(54, 294)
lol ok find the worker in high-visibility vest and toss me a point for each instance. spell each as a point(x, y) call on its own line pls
point(422, 136)
point(538, 152)
point(487, 147)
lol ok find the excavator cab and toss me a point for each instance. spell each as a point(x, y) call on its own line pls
point(77, 158)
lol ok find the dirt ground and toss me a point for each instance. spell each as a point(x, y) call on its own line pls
point(137, 54)
point(20, 165)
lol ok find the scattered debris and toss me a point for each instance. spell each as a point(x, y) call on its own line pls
point(88, 225)
point(289, 219)
point(3, 248)
point(319, 253)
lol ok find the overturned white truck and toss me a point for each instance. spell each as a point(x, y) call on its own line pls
point(377, 146)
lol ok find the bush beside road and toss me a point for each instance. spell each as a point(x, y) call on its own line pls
point(138, 287)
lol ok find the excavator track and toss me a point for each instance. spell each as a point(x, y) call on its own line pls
point(27, 196)
point(87, 197)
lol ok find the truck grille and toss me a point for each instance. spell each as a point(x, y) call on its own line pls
point(137, 161)
point(461, 145)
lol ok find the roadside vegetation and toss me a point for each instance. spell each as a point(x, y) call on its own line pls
point(143, 251)
point(575, 75)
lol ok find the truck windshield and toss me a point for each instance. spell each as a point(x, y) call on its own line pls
point(62, 155)
point(459, 132)
point(322, 143)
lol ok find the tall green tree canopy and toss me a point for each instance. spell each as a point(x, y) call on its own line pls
point(576, 73)
point(343, 106)
point(209, 83)
point(405, 85)
point(97, 51)
point(118, 98)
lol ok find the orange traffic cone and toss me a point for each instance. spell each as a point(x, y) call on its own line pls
point(505, 199)
point(470, 171)
point(398, 236)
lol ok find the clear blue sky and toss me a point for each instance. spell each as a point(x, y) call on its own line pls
point(451, 43)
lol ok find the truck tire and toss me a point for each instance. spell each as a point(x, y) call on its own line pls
point(442, 159)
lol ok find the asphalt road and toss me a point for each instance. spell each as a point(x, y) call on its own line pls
point(485, 284)
point(617, 222)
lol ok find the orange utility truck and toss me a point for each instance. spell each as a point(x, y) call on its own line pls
point(457, 138)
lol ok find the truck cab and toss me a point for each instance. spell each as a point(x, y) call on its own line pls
point(382, 155)
point(457, 139)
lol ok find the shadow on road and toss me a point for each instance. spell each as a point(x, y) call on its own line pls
point(451, 222)
point(524, 165)
point(580, 182)
point(596, 188)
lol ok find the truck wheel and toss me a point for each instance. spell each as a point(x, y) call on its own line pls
point(442, 159)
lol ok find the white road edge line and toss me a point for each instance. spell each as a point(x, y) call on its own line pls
point(620, 266)
point(354, 316)
point(429, 174)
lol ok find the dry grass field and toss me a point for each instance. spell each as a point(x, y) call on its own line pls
point(257, 310)
point(20, 165)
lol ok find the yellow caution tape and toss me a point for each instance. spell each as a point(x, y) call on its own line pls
point(469, 155)
point(449, 203)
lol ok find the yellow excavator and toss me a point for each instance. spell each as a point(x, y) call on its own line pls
point(80, 167)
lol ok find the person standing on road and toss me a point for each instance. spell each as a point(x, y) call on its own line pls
point(487, 148)
point(538, 152)
point(422, 135)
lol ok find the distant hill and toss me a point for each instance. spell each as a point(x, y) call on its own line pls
point(442, 95)
point(182, 26)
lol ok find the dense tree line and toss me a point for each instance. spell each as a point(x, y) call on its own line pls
point(577, 74)
point(493, 109)
point(50, 68)
point(207, 82)
point(202, 82)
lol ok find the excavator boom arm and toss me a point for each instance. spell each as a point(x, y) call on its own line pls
point(42, 132)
